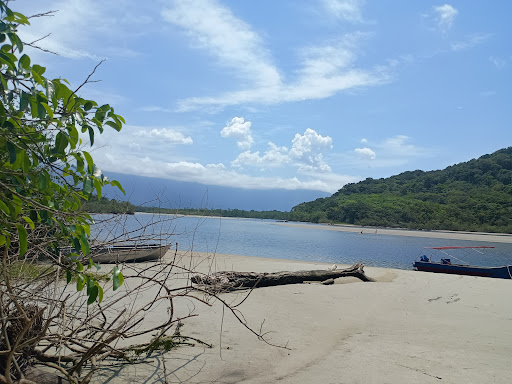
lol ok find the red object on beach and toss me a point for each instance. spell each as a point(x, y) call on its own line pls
point(456, 247)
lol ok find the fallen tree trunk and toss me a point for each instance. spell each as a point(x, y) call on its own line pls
point(229, 280)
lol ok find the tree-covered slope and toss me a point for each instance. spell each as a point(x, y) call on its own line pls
point(473, 196)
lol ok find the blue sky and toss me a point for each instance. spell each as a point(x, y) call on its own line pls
point(286, 94)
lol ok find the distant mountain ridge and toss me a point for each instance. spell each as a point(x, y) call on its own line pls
point(472, 196)
point(150, 191)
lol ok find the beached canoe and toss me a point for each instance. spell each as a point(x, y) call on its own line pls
point(128, 253)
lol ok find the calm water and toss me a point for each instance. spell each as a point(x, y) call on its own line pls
point(266, 238)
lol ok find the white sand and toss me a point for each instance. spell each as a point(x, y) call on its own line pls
point(438, 234)
point(408, 327)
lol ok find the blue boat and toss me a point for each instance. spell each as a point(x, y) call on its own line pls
point(445, 265)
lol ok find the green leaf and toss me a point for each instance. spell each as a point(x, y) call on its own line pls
point(100, 294)
point(118, 185)
point(4, 208)
point(24, 62)
point(79, 162)
point(47, 109)
point(88, 186)
point(73, 137)
point(15, 40)
point(91, 136)
point(80, 282)
point(43, 181)
point(61, 142)
point(117, 127)
point(7, 59)
point(90, 163)
point(88, 105)
point(117, 278)
point(97, 184)
point(22, 234)
point(68, 276)
point(76, 244)
point(37, 77)
point(29, 222)
point(93, 295)
point(12, 152)
point(2, 240)
point(24, 100)
point(38, 69)
point(85, 244)
point(26, 162)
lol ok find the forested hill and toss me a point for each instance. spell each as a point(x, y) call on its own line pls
point(471, 196)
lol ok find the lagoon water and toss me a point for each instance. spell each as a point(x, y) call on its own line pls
point(267, 238)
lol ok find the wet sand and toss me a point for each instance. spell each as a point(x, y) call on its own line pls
point(407, 327)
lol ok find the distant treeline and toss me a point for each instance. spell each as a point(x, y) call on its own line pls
point(274, 215)
point(105, 205)
point(471, 196)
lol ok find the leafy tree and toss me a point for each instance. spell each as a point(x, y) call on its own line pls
point(474, 196)
point(45, 172)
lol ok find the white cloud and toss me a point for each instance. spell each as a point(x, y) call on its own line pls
point(470, 42)
point(398, 146)
point(168, 135)
point(365, 153)
point(274, 157)
point(498, 62)
point(215, 174)
point(155, 108)
point(307, 151)
point(213, 27)
point(324, 69)
point(349, 10)
point(239, 129)
point(445, 16)
point(364, 140)
point(75, 29)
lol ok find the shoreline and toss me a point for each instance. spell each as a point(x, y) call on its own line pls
point(434, 234)
point(407, 327)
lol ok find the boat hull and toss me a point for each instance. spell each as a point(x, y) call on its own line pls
point(458, 269)
point(129, 254)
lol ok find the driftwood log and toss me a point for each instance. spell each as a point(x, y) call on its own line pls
point(230, 280)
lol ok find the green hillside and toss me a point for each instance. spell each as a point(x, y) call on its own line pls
point(471, 196)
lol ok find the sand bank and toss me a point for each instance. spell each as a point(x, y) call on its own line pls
point(456, 235)
point(408, 327)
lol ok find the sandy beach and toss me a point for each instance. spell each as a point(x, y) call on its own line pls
point(437, 234)
point(407, 327)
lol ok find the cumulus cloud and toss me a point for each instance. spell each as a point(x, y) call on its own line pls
point(307, 151)
point(240, 130)
point(445, 16)
point(365, 153)
point(274, 157)
point(167, 135)
point(349, 10)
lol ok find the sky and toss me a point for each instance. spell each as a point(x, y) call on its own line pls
point(289, 94)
